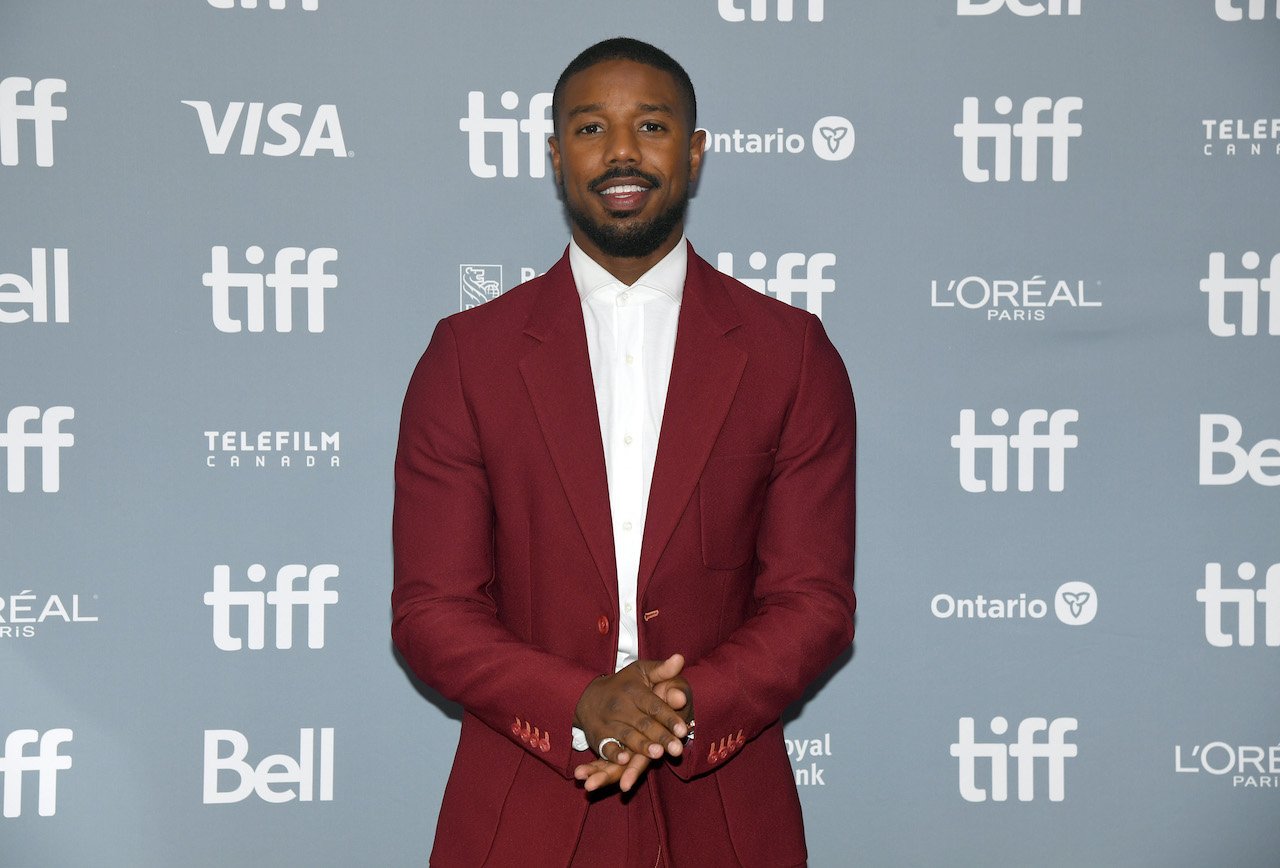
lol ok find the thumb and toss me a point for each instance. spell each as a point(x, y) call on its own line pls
point(667, 669)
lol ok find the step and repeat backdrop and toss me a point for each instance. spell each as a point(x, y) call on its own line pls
point(1043, 235)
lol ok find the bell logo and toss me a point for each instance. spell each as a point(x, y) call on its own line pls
point(1029, 131)
point(307, 5)
point(1017, 7)
point(730, 10)
point(1055, 442)
point(1255, 462)
point(50, 440)
point(536, 127)
point(40, 111)
point(284, 280)
point(283, 600)
point(1230, 10)
point(31, 299)
point(46, 763)
point(1217, 286)
point(323, 134)
point(1246, 601)
point(786, 285)
point(274, 769)
point(1026, 750)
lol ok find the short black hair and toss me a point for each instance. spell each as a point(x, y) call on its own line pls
point(625, 48)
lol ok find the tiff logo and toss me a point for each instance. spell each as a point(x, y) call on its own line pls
point(1248, 289)
point(1254, 462)
point(786, 285)
point(1026, 750)
point(323, 134)
point(1215, 598)
point(731, 11)
point(35, 293)
point(284, 280)
point(40, 111)
point(307, 5)
point(284, 599)
point(1029, 131)
point(277, 768)
point(1017, 7)
point(1055, 442)
point(536, 126)
point(46, 763)
point(1229, 10)
point(50, 440)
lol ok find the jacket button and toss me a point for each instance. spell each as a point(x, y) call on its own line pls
point(603, 625)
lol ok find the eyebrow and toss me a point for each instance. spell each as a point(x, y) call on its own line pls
point(644, 107)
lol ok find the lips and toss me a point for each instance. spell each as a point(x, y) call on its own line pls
point(624, 195)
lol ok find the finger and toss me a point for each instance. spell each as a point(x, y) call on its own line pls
point(586, 770)
point(631, 774)
point(670, 727)
point(672, 694)
point(665, 670)
point(644, 738)
point(612, 773)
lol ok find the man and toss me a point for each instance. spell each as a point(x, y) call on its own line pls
point(624, 520)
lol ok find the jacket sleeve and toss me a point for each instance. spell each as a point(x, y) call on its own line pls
point(444, 619)
point(804, 584)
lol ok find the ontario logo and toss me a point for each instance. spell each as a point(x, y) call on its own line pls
point(831, 138)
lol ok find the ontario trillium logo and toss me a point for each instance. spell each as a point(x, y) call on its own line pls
point(833, 137)
point(1076, 603)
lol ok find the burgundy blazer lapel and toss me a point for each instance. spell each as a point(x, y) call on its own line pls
point(705, 373)
point(557, 374)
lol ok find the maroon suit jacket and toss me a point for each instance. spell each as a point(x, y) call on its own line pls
point(505, 595)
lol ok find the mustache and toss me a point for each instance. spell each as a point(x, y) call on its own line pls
point(618, 172)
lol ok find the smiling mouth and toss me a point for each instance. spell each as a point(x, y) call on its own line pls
point(624, 198)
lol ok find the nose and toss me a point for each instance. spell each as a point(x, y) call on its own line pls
point(623, 146)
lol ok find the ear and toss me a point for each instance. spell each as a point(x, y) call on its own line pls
point(697, 145)
point(554, 144)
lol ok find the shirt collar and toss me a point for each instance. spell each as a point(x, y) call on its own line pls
point(666, 276)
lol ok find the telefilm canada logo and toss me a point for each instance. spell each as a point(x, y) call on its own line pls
point(304, 5)
point(1231, 612)
point(1224, 461)
point(285, 450)
point(1235, 303)
point(277, 778)
point(1248, 766)
point(287, 283)
point(26, 613)
point(49, 442)
point(43, 763)
point(831, 138)
point(240, 615)
point(1239, 10)
point(1241, 137)
point(1075, 604)
point(1018, 7)
point(799, 279)
point(39, 110)
point(43, 295)
point(1026, 753)
point(809, 757)
point(979, 163)
point(1007, 300)
point(765, 10)
point(290, 129)
point(995, 452)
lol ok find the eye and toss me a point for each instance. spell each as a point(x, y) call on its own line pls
point(652, 127)
point(589, 129)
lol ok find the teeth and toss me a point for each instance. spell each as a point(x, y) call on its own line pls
point(622, 188)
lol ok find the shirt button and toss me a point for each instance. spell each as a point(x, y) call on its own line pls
point(626, 525)
point(622, 298)
point(628, 608)
point(631, 360)
point(627, 439)
point(602, 625)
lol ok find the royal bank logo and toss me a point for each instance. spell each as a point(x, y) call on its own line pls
point(1235, 302)
point(1240, 137)
point(277, 778)
point(1008, 300)
point(998, 449)
point(478, 284)
point(40, 111)
point(1075, 604)
point(978, 162)
point(44, 763)
point(240, 615)
point(1250, 766)
point(764, 10)
point(1026, 752)
point(1223, 461)
point(799, 279)
point(1237, 10)
point(305, 5)
point(38, 299)
point(831, 139)
point(1231, 613)
point(809, 757)
point(25, 613)
point(283, 136)
point(1018, 7)
point(285, 281)
point(509, 133)
point(273, 449)
point(49, 441)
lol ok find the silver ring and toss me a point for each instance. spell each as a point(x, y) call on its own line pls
point(603, 742)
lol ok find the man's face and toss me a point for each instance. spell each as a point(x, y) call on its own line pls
point(624, 158)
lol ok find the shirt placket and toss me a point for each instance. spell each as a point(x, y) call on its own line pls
point(628, 422)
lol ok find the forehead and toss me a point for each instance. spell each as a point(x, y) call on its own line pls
point(621, 84)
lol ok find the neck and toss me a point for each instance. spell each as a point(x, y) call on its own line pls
point(628, 269)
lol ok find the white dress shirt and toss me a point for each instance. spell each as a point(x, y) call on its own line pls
point(631, 339)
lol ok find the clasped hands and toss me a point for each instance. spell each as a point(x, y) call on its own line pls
point(647, 707)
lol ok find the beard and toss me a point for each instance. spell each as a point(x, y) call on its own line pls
point(633, 241)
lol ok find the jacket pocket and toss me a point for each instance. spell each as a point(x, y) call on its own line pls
point(731, 499)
